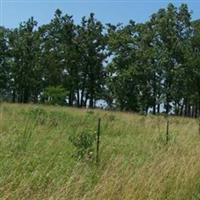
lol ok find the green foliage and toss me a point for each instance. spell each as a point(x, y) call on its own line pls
point(134, 67)
point(55, 95)
point(25, 79)
point(4, 65)
point(84, 144)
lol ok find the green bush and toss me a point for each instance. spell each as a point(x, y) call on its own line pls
point(83, 143)
point(54, 95)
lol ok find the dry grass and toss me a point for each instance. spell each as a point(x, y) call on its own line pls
point(136, 163)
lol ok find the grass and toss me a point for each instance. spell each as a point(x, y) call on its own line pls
point(36, 159)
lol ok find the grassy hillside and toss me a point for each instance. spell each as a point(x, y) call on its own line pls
point(36, 159)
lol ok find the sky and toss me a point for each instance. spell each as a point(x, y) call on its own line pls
point(12, 12)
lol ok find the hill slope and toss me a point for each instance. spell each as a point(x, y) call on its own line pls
point(36, 159)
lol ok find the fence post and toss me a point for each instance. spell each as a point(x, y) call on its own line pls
point(98, 141)
point(199, 125)
point(167, 131)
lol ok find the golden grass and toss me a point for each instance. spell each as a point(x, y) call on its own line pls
point(135, 161)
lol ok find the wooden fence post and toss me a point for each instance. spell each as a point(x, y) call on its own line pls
point(167, 131)
point(98, 141)
point(199, 125)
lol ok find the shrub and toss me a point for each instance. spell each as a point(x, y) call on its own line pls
point(83, 143)
point(54, 95)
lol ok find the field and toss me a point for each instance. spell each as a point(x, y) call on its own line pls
point(37, 162)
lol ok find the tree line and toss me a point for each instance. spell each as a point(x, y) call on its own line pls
point(134, 67)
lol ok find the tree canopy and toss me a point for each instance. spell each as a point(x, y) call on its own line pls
point(137, 67)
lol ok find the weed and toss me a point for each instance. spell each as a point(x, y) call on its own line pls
point(83, 142)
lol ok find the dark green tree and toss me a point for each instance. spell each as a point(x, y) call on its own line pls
point(23, 50)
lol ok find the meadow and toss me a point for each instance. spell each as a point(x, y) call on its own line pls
point(37, 162)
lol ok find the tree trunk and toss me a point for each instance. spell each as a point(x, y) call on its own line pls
point(154, 108)
point(158, 108)
point(26, 95)
point(78, 98)
point(91, 103)
point(70, 99)
point(13, 96)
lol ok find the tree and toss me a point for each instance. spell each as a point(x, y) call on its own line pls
point(92, 47)
point(23, 50)
point(176, 23)
point(4, 64)
point(137, 67)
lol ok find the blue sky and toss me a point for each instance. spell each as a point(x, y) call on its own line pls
point(12, 12)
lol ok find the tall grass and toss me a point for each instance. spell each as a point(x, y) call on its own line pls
point(36, 159)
